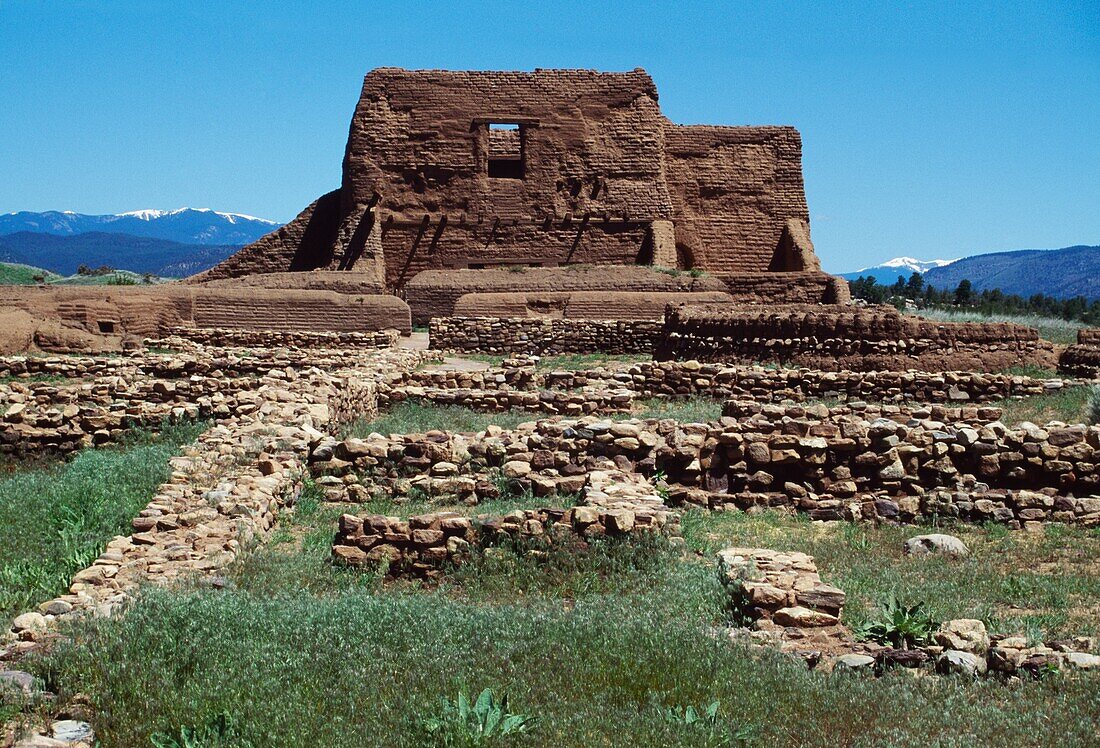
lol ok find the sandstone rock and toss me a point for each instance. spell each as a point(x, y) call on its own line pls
point(19, 681)
point(72, 730)
point(1081, 660)
point(516, 469)
point(963, 634)
point(953, 661)
point(800, 617)
point(854, 662)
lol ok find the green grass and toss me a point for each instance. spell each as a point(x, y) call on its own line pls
point(54, 521)
point(15, 274)
point(1069, 405)
point(414, 417)
point(1045, 585)
point(684, 410)
point(366, 668)
point(36, 379)
point(1033, 371)
point(1054, 329)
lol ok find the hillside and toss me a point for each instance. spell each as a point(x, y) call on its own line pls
point(1062, 273)
point(185, 225)
point(64, 254)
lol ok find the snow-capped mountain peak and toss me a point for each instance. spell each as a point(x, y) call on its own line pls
point(150, 214)
point(911, 264)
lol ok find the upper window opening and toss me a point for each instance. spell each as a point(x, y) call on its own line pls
point(506, 151)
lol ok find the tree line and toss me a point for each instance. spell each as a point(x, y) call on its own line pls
point(965, 297)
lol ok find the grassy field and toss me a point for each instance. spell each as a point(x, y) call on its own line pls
point(55, 520)
point(411, 417)
point(1070, 405)
point(596, 647)
point(14, 274)
point(1054, 329)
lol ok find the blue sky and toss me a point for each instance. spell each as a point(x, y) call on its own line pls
point(928, 129)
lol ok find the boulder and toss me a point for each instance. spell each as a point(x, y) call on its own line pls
point(952, 661)
point(963, 634)
point(936, 544)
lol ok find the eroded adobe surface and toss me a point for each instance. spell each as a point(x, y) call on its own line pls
point(483, 169)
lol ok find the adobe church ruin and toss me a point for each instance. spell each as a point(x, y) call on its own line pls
point(540, 212)
point(447, 173)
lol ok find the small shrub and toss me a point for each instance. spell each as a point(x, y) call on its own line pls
point(481, 723)
point(214, 732)
point(705, 724)
point(898, 625)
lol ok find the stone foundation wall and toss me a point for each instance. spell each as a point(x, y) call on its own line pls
point(615, 504)
point(1083, 359)
point(900, 466)
point(518, 379)
point(542, 336)
point(223, 337)
point(839, 338)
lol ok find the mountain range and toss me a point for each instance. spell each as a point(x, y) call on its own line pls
point(64, 254)
point(1062, 273)
point(185, 225)
point(167, 243)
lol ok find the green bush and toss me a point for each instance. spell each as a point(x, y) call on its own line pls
point(484, 722)
point(1093, 414)
point(898, 625)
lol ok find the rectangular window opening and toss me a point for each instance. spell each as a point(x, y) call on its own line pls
point(506, 151)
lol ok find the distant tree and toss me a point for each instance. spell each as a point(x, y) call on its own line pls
point(964, 293)
point(915, 285)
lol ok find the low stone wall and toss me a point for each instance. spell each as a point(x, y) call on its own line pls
point(646, 379)
point(1083, 359)
point(615, 504)
point(898, 466)
point(43, 417)
point(223, 337)
point(542, 336)
point(846, 338)
point(224, 490)
point(553, 402)
point(784, 588)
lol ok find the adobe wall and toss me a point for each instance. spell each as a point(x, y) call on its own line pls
point(595, 175)
point(267, 309)
point(542, 336)
point(785, 288)
point(624, 305)
point(351, 282)
point(96, 318)
point(434, 293)
point(836, 338)
point(733, 190)
point(306, 243)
